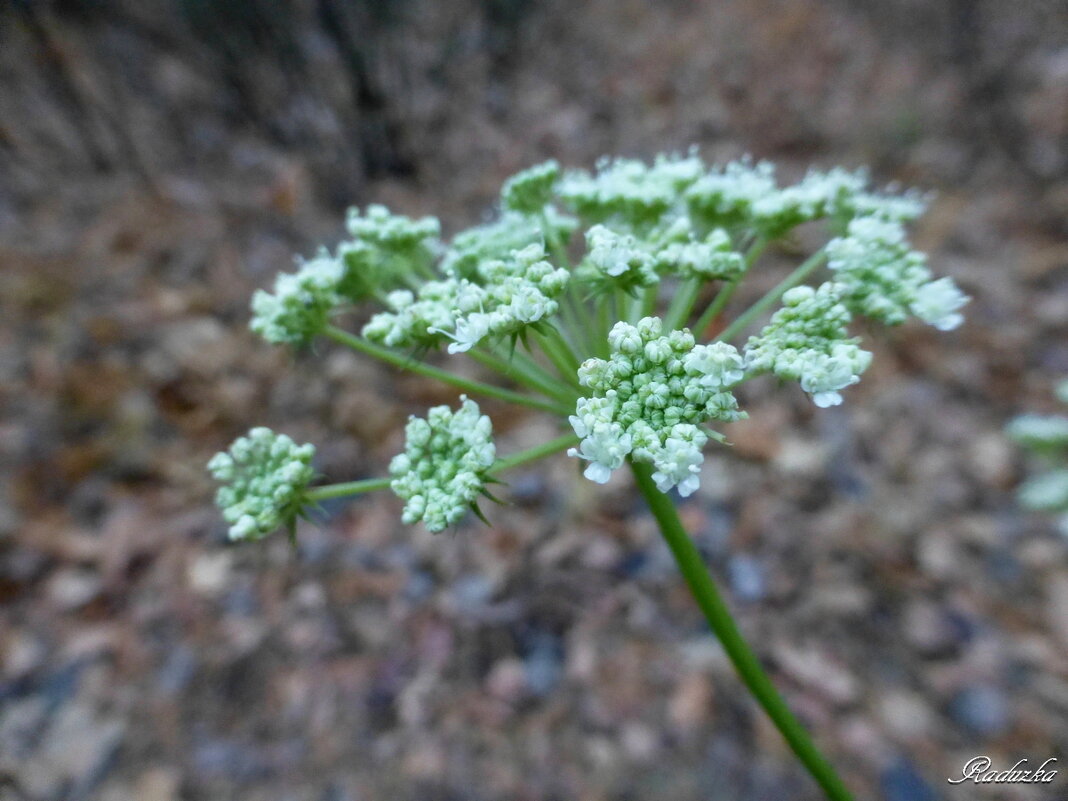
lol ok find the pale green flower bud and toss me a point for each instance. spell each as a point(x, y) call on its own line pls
point(264, 477)
point(443, 468)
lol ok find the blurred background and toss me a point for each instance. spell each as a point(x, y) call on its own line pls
point(159, 160)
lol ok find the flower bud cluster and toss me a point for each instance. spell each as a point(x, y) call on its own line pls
point(744, 193)
point(649, 399)
point(442, 470)
point(885, 280)
point(628, 190)
point(529, 191)
point(807, 341)
point(683, 254)
point(264, 477)
point(619, 259)
point(626, 261)
point(497, 239)
point(393, 233)
point(505, 296)
point(1046, 436)
point(385, 246)
point(301, 302)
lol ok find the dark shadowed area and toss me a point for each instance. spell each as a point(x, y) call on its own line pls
point(160, 160)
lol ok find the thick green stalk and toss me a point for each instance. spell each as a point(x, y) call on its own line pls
point(742, 657)
point(467, 385)
point(682, 304)
point(772, 296)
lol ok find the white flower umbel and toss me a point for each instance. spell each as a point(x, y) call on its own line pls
point(393, 233)
point(511, 231)
point(619, 259)
point(648, 399)
point(417, 321)
point(807, 341)
point(938, 303)
point(883, 279)
point(682, 253)
point(1040, 432)
point(529, 191)
point(1047, 437)
point(443, 468)
point(746, 194)
point(264, 477)
point(628, 191)
point(503, 297)
point(301, 303)
point(531, 292)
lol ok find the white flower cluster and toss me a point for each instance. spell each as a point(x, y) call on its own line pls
point(442, 470)
point(529, 191)
point(807, 341)
point(301, 302)
point(650, 398)
point(628, 190)
point(392, 233)
point(628, 261)
point(680, 252)
point(385, 247)
point(498, 238)
point(505, 295)
point(744, 193)
point(1046, 436)
point(619, 259)
point(885, 280)
point(264, 477)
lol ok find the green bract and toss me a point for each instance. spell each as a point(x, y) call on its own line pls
point(1047, 437)
point(264, 476)
point(443, 468)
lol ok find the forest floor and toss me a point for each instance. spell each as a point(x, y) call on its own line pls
point(874, 553)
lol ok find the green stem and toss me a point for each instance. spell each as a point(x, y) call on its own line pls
point(524, 370)
point(725, 293)
point(649, 299)
point(571, 318)
point(537, 452)
point(742, 657)
point(557, 248)
point(329, 491)
point(682, 304)
point(772, 296)
point(559, 353)
point(602, 327)
point(715, 307)
point(407, 363)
